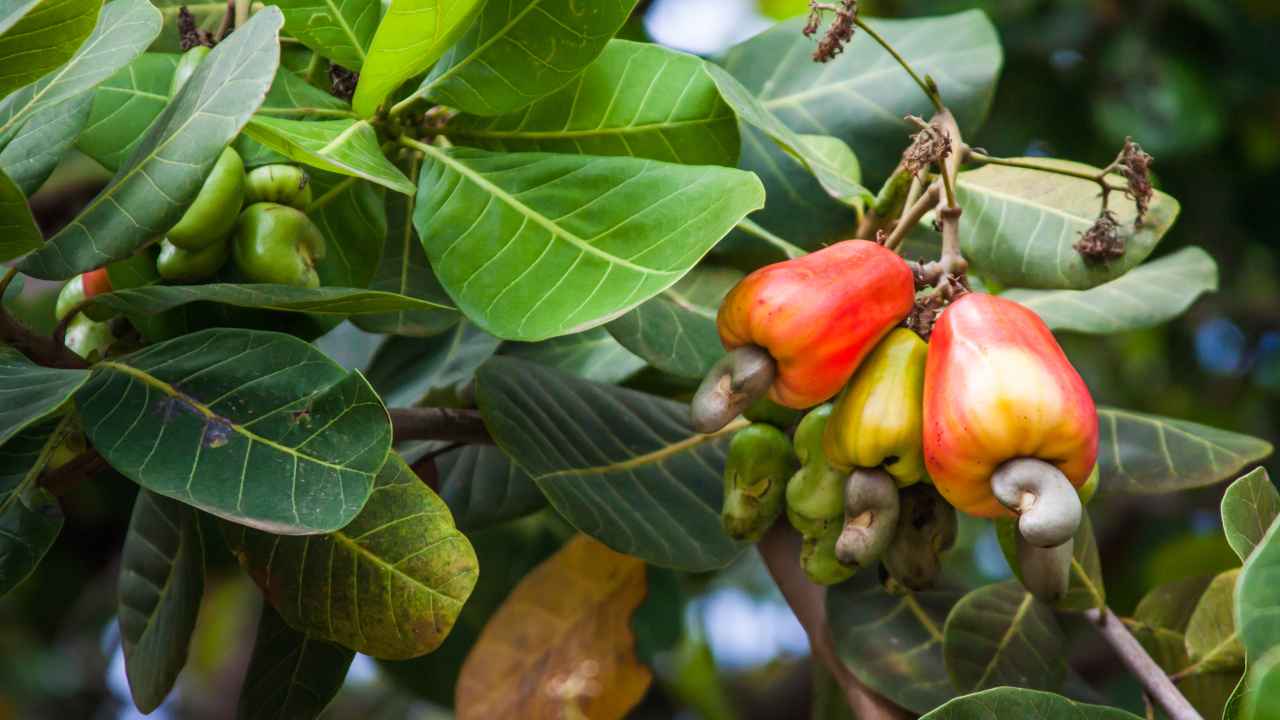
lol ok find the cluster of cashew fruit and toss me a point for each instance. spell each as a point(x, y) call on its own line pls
point(258, 219)
point(988, 417)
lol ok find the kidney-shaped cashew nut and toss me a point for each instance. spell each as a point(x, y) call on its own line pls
point(1047, 505)
point(735, 382)
point(870, 517)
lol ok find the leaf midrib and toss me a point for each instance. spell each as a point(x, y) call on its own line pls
point(634, 129)
point(1009, 632)
point(651, 457)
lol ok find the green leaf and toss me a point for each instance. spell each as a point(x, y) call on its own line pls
point(1170, 605)
point(635, 100)
point(390, 584)
point(412, 35)
point(30, 518)
point(1209, 693)
point(160, 588)
point(1250, 505)
point(291, 96)
point(37, 148)
point(403, 269)
point(347, 147)
point(408, 371)
point(291, 674)
point(30, 392)
point(1020, 226)
point(1001, 635)
point(350, 213)
point(517, 52)
point(124, 106)
point(619, 465)
point(1257, 608)
point(1148, 295)
point(676, 331)
point(256, 427)
point(36, 37)
point(840, 176)
point(163, 175)
point(534, 245)
point(1263, 701)
point(18, 231)
point(123, 30)
point(893, 642)
point(1148, 454)
point(1018, 704)
point(340, 30)
point(592, 355)
point(484, 488)
point(1085, 589)
point(862, 95)
point(1212, 642)
point(335, 301)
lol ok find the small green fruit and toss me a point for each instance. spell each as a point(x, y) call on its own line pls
point(187, 65)
point(176, 264)
point(87, 338)
point(213, 214)
point(284, 184)
point(278, 244)
point(81, 288)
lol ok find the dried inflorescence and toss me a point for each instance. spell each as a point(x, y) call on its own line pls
point(1102, 241)
point(342, 82)
point(839, 34)
point(1135, 165)
point(931, 145)
point(189, 35)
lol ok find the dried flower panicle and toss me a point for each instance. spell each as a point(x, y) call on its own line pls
point(839, 34)
point(1102, 241)
point(1135, 165)
point(342, 82)
point(189, 35)
point(931, 145)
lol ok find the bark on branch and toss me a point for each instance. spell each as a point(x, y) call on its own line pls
point(436, 423)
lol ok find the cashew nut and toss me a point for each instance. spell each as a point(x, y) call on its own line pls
point(870, 517)
point(734, 383)
point(1047, 505)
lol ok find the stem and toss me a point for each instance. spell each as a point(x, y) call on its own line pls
point(754, 230)
point(224, 25)
point(7, 280)
point(1157, 684)
point(1099, 177)
point(242, 12)
point(780, 550)
point(953, 262)
point(912, 217)
point(313, 68)
point(437, 423)
point(928, 89)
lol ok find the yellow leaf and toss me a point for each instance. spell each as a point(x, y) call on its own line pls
point(561, 646)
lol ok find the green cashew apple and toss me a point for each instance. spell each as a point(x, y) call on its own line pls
point(284, 184)
point(187, 65)
point(176, 264)
point(278, 244)
point(81, 288)
point(213, 214)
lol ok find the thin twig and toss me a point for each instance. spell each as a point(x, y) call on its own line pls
point(224, 26)
point(1154, 681)
point(952, 260)
point(928, 89)
point(437, 423)
point(911, 217)
point(780, 550)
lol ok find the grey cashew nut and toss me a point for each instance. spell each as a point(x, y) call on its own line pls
point(927, 526)
point(1046, 572)
point(735, 382)
point(870, 517)
point(1047, 505)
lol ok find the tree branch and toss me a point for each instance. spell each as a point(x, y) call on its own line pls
point(780, 550)
point(911, 217)
point(41, 350)
point(437, 423)
point(1154, 680)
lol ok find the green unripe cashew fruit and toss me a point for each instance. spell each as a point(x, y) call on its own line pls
point(187, 65)
point(87, 338)
point(278, 244)
point(81, 288)
point(818, 558)
point(755, 479)
point(284, 184)
point(815, 493)
point(71, 446)
point(176, 264)
point(213, 214)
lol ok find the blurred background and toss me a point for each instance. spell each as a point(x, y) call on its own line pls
point(1194, 81)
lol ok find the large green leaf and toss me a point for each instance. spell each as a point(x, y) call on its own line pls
point(256, 427)
point(291, 96)
point(408, 371)
point(593, 354)
point(1212, 642)
point(1020, 225)
point(1249, 507)
point(291, 674)
point(862, 95)
point(340, 30)
point(410, 38)
point(1008, 703)
point(1001, 635)
point(38, 36)
point(351, 214)
point(165, 172)
point(18, 231)
point(1150, 294)
point(893, 642)
point(1257, 608)
point(1148, 454)
point(1170, 605)
point(517, 52)
point(622, 466)
point(484, 488)
point(347, 147)
point(1263, 692)
point(1085, 589)
point(534, 245)
point(29, 392)
point(160, 587)
point(676, 331)
point(338, 301)
point(37, 148)
point(636, 99)
point(30, 518)
point(390, 584)
point(124, 106)
point(403, 269)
